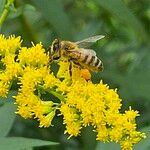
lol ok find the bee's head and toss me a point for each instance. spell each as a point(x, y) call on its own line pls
point(55, 46)
point(55, 49)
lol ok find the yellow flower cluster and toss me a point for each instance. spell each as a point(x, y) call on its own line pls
point(9, 68)
point(81, 103)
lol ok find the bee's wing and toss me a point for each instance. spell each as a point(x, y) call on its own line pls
point(87, 51)
point(90, 40)
point(83, 51)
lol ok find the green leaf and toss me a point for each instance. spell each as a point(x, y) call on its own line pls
point(9, 96)
point(119, 9)
point(29, 7)
point(30, 148)
point(136, 82)
point(107, 146)
point(144, 144)
point(20, 143)
point(7, 116)
point(54, 14)
point(88, 138)
point(2, 4)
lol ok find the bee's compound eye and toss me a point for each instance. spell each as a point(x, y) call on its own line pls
point(56, 47)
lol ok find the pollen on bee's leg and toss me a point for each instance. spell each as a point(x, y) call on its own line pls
point(85, 73)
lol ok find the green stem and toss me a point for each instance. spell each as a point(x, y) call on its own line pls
point(56, 94)
point(5, 11)
point(59, 96)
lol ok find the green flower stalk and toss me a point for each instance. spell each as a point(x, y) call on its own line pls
point(5, 11)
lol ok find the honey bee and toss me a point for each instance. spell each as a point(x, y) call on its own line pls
point(74, 52)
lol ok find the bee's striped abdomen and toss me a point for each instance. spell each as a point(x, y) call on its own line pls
point(92, 62)
point(98, 64)
point(84, 60)
point(92, 59)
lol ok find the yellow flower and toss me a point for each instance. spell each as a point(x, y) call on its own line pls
point(34, 56)
point(45, 121)
point(31, 78)
point(71, 116)
point(24, 111)
point(73, 128)
point(116, 134)
point(29, 99)
point(9, 45)
point(136, 136)
point(126, 145)
point(10, 69)
point(41, 108)
point(81, 102)
point(8, 59)
point(13, 43)
point(50, 81)
point(131, 114)
point(3, 89)
point(103, 133)
point(97, 105)
point(63, 71)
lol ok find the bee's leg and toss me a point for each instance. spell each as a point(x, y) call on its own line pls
point(77, 64)
point(71, 61)
point(70, 68)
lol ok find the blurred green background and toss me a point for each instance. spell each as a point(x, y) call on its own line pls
point(125, 53)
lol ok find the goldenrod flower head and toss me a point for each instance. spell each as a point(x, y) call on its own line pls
point(25, 111)
point(10, 69)
point(3, 89)
point(42, 108)
point(81, 103)
point(71, 119)
point(50, 81)
point(13, 43)
point(8, 59)
point(9, 45)
point(45, 121)
point(33, 56)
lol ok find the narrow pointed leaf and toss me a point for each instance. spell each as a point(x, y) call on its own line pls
point(20, 143)
point(107, 146)
point(7, 116)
